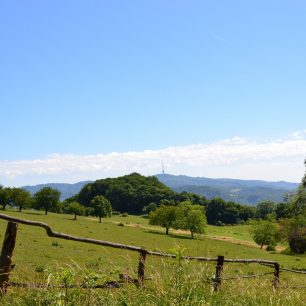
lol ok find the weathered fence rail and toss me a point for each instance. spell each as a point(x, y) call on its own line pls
point(10, 238)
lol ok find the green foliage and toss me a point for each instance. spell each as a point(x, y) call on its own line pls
point(21, 198)
point(151, 207)
point(264, 209)
point(46, 198)
point(294, 229)
point(283, 210)
point(101, 207)
point(75, 209)
point(294, 232)
point(263, 232)
point(5, 196)
point(163, 216)
point(130, 193)
point(190, 217)
point(219, 211)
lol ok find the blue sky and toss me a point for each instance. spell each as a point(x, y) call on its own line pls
point(90, 79)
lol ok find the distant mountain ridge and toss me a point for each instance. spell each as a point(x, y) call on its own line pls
point(67, 190)
point(241, 191)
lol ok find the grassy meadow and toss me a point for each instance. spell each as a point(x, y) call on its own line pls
point(41, 259)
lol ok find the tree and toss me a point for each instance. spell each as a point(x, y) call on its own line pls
point(151, 207)
point(265, 209)
point(101, 207)
point(46, 198)
point(294, 229)
point(75, 209)
point(282, 210)
point(21, 198)
point(263, 232)
point(294, 232)
point(190, 217)
point(5, 196)
point(163, 216)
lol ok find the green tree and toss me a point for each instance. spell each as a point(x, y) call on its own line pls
point(163, 216)
point(282, 210)
point(263, 232)
point(47, 198)
point(5, 196)
point(265, 209)
point(190, 217)
point(76, 209)
point(151, 207)
point(294, 232)
point(101, 207)
point(21, 198)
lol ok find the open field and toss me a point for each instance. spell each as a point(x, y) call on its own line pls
point(36, 255)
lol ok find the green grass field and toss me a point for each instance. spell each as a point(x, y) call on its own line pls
point(35, 253)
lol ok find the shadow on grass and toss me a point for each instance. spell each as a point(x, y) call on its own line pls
point(71, 219)
point(177, 236)
point(32, 213)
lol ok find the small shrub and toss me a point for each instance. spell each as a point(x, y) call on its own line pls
point(120, 224)
point(39, 269)
point(125, 214)
point(271, 247)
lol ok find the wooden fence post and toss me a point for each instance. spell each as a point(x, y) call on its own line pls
point(6, 255)
point(219, 268)
point(141, 266)
point(276, 275)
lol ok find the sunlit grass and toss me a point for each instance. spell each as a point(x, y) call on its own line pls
point(37, 254)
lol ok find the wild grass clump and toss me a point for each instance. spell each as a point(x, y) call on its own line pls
point(168, 282)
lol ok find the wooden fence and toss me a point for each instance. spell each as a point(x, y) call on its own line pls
point(10, 238)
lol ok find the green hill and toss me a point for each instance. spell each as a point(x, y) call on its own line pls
point(129, 193)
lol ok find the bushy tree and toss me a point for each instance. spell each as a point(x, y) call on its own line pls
point(101, 207)
point(294, 229)
point(151, 207)
point(5, 196)
point(163, 216)
point(294, 232)
point(21, 198)
point(75, 209)
point(190, 217)
point(265, 209)
point(47, 198)
point(263, 232)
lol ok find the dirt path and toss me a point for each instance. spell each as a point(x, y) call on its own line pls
point(251, 244)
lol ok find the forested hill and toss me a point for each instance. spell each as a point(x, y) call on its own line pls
point(129, 193)
point(240, 191)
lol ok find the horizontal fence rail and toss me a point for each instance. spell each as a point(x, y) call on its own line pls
point(10, 237)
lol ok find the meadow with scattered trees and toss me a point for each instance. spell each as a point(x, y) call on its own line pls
point(142, 211)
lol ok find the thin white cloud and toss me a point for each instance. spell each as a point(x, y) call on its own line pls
point(243, 158)
point(219, 38)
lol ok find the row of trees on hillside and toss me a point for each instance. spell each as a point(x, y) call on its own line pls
point(47, 199)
